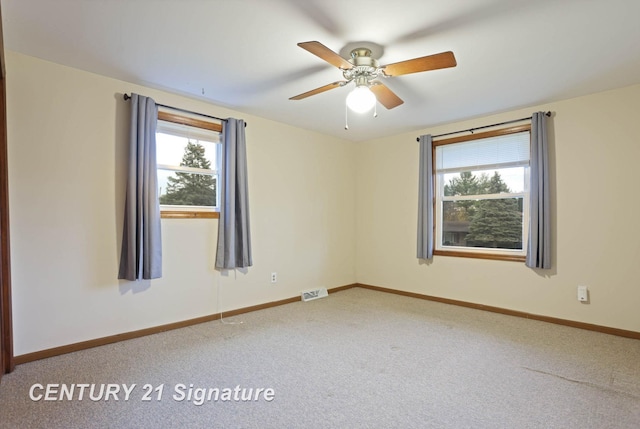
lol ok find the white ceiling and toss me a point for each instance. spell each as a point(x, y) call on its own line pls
point(242, 54)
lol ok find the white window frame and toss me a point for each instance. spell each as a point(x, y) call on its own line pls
point(198, 134)
point(440, 198)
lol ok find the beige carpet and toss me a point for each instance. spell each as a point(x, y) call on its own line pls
point(357, 359)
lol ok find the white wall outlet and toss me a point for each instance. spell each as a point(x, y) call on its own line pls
point(583, 294)
point(274, 277)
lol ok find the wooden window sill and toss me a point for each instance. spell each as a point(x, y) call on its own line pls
point(477, 255)
point(174, 214)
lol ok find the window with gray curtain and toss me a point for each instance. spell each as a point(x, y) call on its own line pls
point(534, 209)
point(141, 252)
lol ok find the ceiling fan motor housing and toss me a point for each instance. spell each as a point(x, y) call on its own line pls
point(365, 68)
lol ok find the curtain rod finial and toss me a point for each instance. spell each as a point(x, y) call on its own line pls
point(126, 96)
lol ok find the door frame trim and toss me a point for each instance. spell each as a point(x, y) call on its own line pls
point(7, 363)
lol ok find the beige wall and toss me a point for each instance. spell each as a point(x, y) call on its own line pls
point(67, 148)
point(324, 213)
point(594, 153)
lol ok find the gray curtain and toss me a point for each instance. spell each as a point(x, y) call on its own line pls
point(425, 199)
point(539, 246)
point(141, 253)
point(234, 235)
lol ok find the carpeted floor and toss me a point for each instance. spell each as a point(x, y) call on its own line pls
point(357, 359)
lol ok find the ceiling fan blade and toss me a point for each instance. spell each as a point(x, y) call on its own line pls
point(430, 62)
point(319, 90)
point(318, 49)
point(385, 96)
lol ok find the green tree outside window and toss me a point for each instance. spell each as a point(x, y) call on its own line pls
point(492, 223)
point(191, 189)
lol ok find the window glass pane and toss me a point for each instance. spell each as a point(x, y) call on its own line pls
point(481, 182)
point(174, 150)
point(508, 149)
point(186, 189)
point(490, 223)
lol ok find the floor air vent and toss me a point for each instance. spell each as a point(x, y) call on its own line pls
point(308, 295)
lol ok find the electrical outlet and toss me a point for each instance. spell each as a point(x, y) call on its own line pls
point(583, 294)
point(274, 277)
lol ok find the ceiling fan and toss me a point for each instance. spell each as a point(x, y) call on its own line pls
point(364, 70)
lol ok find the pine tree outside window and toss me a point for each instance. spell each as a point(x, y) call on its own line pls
point(482, 194)
point(188, 170)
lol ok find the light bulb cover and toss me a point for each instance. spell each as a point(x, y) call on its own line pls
point(361, 99)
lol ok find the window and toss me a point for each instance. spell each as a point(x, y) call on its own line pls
point(482, 194)
point(188, 158)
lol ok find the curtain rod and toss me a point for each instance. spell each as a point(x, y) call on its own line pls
point(127, 97)
point(471, 130)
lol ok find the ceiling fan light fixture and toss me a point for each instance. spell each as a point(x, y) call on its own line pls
point(361, 99)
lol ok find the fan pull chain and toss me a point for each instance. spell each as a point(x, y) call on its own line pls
point(375, 110)
point(346, 117)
